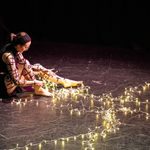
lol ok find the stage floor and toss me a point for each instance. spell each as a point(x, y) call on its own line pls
point(112, 111)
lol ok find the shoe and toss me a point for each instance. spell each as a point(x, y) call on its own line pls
point(70, 83)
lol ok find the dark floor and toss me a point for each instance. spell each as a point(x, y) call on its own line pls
point(112, 111)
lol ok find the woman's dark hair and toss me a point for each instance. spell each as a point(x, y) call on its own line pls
point(20, 38)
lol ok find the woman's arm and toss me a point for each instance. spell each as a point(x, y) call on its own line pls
point(8, 58)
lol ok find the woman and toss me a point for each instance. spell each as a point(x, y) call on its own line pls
point(15, 70)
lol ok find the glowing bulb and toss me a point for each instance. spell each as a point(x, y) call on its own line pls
point(107, 125)
point(104, 136)
point(97, 117)
point(26, 148)
point(136, 101)
point(125, 113)
point(121, 101)
point(92, 103)
point(74, 138)
point(71, 112)
point(82, 136)
point(104, 103)
point(108, 103)
point(146, 107)
point(26, 100)
point(40, 146)
point(55, 142)
point(147, 116)
point(104, 123)
point(79, 113)
point(139, 92)
point(37, 103)
point(139, 103)
point(63, 143)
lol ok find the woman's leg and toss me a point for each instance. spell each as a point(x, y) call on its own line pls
point(25, 71)
point(28, 74)
point(9, 84)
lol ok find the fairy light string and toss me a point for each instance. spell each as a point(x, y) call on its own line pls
point(106, 108)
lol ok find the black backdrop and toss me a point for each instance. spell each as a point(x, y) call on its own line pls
point(110, 22)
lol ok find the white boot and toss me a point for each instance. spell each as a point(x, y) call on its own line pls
point(59, 80)
point(71, 83)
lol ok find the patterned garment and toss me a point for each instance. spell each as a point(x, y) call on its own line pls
point(16, 71)
point(19, 70)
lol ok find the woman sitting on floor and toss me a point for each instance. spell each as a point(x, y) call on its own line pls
point(16, 71)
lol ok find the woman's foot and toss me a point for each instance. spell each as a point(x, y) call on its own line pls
point(41, 91)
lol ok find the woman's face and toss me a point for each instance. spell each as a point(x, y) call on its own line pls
point(22, 48)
